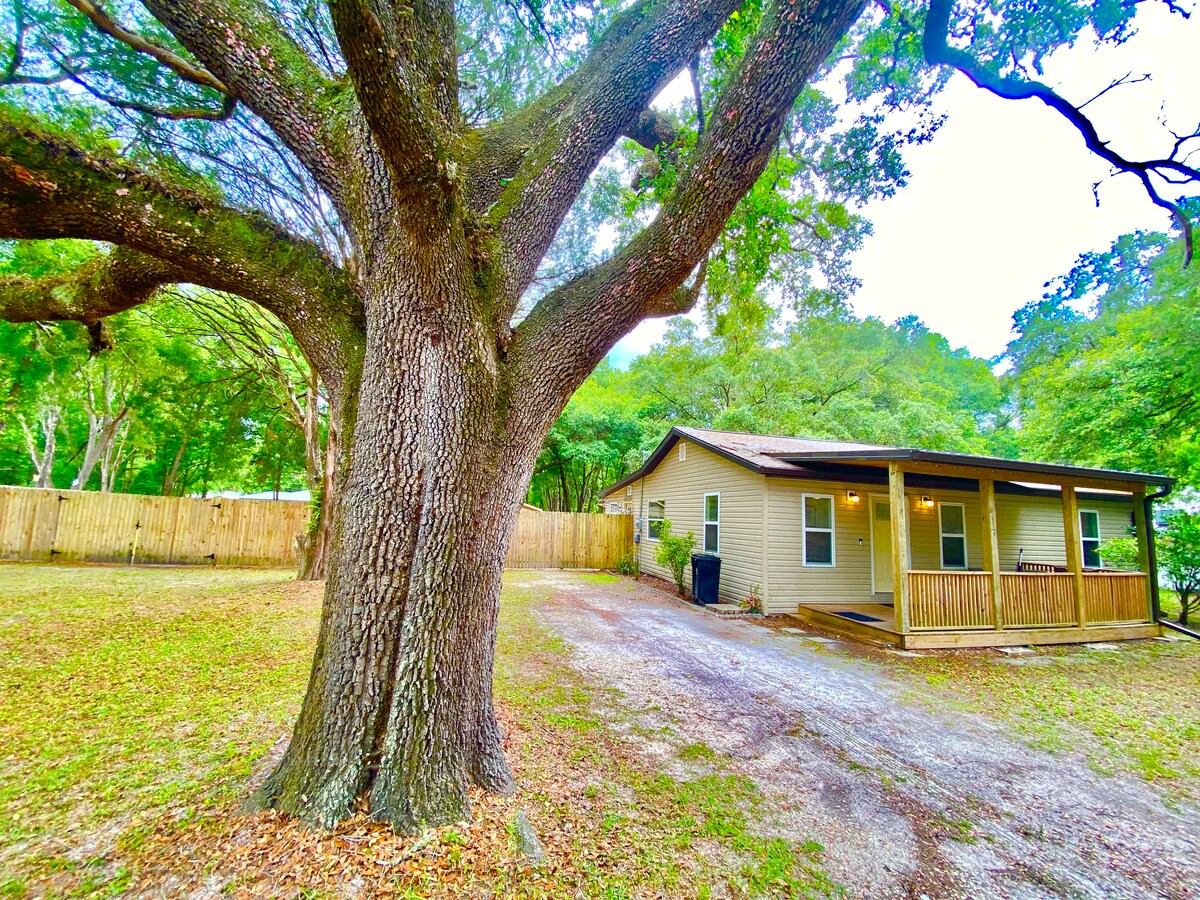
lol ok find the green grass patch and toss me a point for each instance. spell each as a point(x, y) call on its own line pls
point(696, 752)
point(1135, 710)
point(126, 690)
point(598, 577)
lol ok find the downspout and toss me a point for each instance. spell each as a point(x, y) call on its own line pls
point(643, 514)
point(1148, 512)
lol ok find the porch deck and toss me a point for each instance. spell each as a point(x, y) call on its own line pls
point(957, 610)
point(884, 631)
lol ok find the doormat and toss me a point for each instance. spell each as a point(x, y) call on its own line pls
point(858, 617)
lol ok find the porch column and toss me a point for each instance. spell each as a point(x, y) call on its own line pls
point(991, 546)
point(1070, 507)
point(1142, 528)
point(900, 563)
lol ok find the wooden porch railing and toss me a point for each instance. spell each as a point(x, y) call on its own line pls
point(958, 601)
point(1037, 599)
point(1113, 597)
point(950, 600)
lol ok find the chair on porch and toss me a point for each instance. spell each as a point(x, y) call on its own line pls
point(1039, 567)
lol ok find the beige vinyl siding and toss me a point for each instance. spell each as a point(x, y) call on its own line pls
point(850, 579)
point(924, 529)
point(791, 582)
point(1036, 524)
point(681, 485)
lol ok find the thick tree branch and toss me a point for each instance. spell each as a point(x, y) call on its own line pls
point(184, 68)
point(408, 94)
point(938, 51)
point(654, 130)
point(571, 328)
point(578, 122)
point(52, 189)
point(101, 287)
point(403, 63)
point(243, 45)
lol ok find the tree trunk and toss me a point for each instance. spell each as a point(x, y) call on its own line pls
point(321, 468)
point(168, 486)
point(43, 457)
point(399, 705)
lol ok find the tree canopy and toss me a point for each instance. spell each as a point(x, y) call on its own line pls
point(1105, 364)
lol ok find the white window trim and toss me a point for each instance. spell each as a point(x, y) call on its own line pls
point(707, 522)
point(943, 534)
point(1099, 538)
point(831, 530)
point(649, 519)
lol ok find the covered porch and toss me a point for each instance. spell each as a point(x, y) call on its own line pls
point(1031, 603)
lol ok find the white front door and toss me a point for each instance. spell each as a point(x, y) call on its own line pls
point(881, 544)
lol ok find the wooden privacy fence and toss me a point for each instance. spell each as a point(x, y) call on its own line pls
point(43, 524)
point(562, 540)
point(87, 526)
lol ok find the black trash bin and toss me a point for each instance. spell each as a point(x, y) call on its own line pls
point(706, 578)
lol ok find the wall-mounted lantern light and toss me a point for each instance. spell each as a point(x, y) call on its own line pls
point(927, 502)
point(852, 497)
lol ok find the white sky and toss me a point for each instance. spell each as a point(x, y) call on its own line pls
point(1001, 201)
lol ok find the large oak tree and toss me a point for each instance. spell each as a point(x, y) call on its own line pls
point(402, 254)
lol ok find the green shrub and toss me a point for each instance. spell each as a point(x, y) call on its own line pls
point(1120, 553)
point(628, 564)
point(674, 552)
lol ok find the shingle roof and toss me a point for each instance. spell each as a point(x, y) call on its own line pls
point(763, 450)
point(769, 454)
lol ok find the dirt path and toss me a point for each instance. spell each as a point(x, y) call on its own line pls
point(907, 801)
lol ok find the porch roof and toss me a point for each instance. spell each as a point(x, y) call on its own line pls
point(792, 457)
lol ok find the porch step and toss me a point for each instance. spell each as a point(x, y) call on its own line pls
point(730, 611)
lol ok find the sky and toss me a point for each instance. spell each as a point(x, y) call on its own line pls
point(1001, 200)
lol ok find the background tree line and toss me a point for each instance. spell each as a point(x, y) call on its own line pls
point(203, 393)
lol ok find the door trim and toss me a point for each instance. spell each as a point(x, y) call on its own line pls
point(872, 500)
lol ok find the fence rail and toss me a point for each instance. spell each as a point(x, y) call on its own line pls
point(1113, 597)
point(1038, 599)
point(88, 526)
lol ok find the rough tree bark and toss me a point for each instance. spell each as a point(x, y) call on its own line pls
point(442, 401)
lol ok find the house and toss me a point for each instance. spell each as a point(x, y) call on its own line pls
point(919, 548)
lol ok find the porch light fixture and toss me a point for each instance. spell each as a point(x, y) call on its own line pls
point(927, 502)
point(852, 496)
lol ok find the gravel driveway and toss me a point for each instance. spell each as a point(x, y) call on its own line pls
point(907, 800)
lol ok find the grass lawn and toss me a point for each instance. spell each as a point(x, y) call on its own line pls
point(136, 705)
point(1135, 709)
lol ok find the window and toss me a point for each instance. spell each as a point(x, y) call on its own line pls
point(658, 512)
point(818, 530)
point(682, 450)
point(629, 491)
point(1089, 532)
point(712, 523)
point(953, 519)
